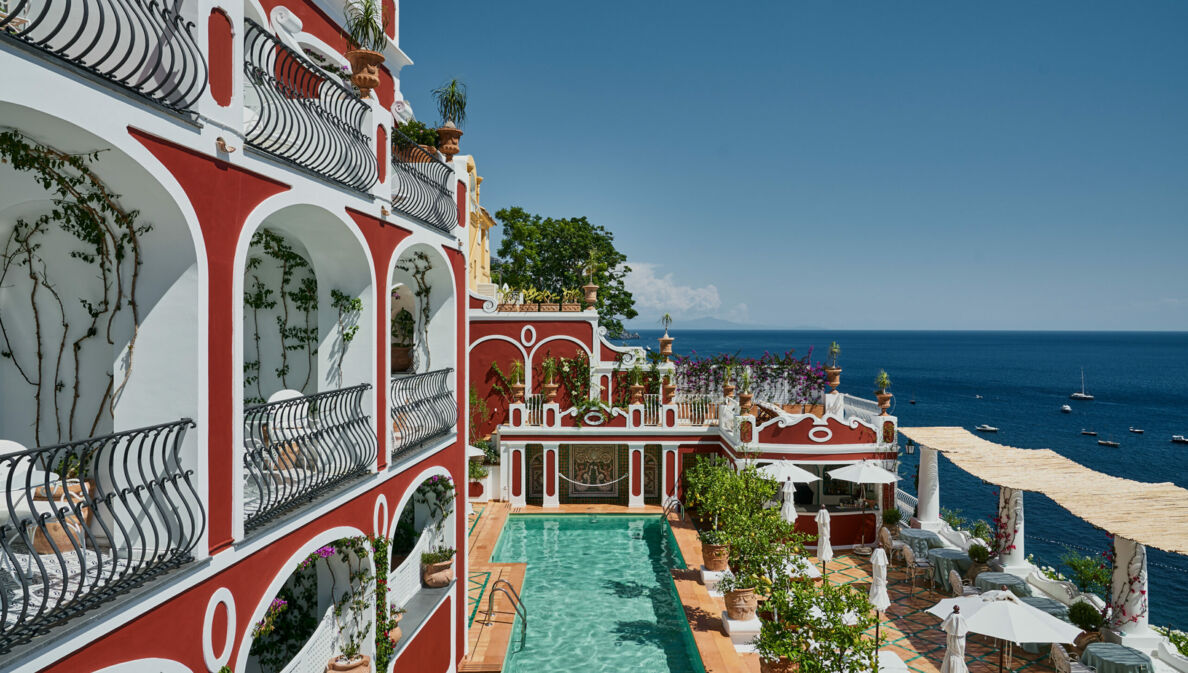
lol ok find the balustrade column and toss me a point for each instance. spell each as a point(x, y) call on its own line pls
point(928, 507)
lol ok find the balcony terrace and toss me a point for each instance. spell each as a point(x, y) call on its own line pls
point(421, 184)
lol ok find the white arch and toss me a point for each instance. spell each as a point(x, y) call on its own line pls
point(286, 570)
point(532, 355)
point(150, 665)
point(412, 488)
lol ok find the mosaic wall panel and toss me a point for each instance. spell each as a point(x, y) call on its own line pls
point(535, 493)
point(651, 474)
point(594, 464)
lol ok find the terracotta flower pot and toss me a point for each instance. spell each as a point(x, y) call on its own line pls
point(531, 308)
point(744, 402)
point(833, 377)
point(410, 155)
point(64, 532)
point(571, 308)
point(507, 308)
point(360, 664)
point(884, 402)
point(741, 604)
point(782, 665)
point(591, 291)
point(401, 358)
point(364, 69)
point(637, 394)
point(447, 141)
point(550, 308)
point(666, 345)
point(728, 390)
point(438, 575)
point(517, 390)
point(669, 392)
point(395, 632)
point(715, 556)
point(550, 392)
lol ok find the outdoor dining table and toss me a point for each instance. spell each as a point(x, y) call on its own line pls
point(1115, 658)
point(1051, 606)
point(944, 560)
point(992, 580)
point(920, 540)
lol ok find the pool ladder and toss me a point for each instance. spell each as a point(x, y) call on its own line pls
point(506, 588)
point(672, 505)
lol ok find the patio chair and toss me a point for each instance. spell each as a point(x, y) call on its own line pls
point(890, 545)
point(1084, 640)
point(915, 567)
point(960, 586)
point(1063, 664)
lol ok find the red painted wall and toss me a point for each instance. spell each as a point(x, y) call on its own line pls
point(550, 472)
point(846, 529)
point(427, 653)
point(636, 472)
point(381, 152)
point(517, 468)
point(220, 51)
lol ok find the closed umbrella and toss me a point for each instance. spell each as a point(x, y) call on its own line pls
point(878, 587)
point(955, 628)
point(788, 509)
point(824, 549)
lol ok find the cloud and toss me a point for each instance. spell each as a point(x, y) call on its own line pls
point(663, 294)
point(740, 313)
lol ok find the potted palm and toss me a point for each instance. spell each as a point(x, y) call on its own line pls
point(571, 300)
point(517, 378)
point(666, 341)
point(437, 567)
point(728, 381)
point(366, 26)
point(882, 383)
point(832, 371)
point(403, 329)
point(548, 302)
point(451, 104)
point(744, 394)
point(591, 288)
point(548, 371)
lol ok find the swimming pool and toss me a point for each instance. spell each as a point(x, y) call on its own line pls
point(599, 595)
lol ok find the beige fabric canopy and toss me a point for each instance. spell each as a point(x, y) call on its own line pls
point(1155, 515)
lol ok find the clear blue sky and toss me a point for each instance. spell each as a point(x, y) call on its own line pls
point(865, 165)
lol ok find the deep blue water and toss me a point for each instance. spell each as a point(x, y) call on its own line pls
point(1139, 379)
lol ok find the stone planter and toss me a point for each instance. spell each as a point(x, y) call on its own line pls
point(666, 345)
point(741, 604)
point(438, 575)
point(364, 69)
point(571, 308)
point(744, 402)
point(591, 291)
point(550, 392)
point(669, 392)
point(637, 394)
point(728, 390)
point(531, 308)
point(447, 140)
point(884, 402)
point(715, 556)
point(360, 664)
point(517, 391)
point(550, 308)
point(833, 377)
point(401, 358)
point(782, 665)
point(409, 155)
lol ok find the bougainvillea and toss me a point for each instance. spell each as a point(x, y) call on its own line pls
point(779, 379)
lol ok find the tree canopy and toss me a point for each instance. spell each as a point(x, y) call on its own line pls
point(552, 254)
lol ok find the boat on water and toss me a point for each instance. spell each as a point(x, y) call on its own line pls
point(1106, 442)
point(977, 397)
point(1137, 431)
point(1082, 395)
point(1065, 409)
point(1179, 439)
point(1089, 433)
point(986, 428)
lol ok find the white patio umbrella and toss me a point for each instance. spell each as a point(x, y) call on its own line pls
point(955, 628)
point(824, 549)
point(1001, 615)
point(786, 471)
point(864, 472)
point(878, 587)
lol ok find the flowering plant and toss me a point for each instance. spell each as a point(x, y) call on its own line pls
point(779, 379)
point(268, 623)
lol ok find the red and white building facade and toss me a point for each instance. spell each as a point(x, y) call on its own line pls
point(165, 473)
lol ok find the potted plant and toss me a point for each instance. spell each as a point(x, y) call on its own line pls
point(451, 104)
point(394, 633)
point(531, 300)
point(507, 299)
point(437, 567)
point(571, 300)
point(366, 26)
point(591, 288)
point(882, 383)
point(548, 370)
point(414, 143)
point(980, 556)
point(744, 395)
point(728, 381)
point(715, 553)
point(635, 380)
point(832, 371)
point(517, 378)
point(1085, 617)
point(548, 302)
point(666, 341)
point(669, 388)
point(891, 519)
point(741, 600)
point(403, 328)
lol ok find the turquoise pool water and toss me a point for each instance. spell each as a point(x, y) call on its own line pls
point(599, 595)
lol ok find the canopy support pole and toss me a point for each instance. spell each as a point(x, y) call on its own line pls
point(928, 508)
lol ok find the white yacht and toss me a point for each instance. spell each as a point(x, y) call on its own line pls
point(1179, 439)
point(986, 428)
point(1065, 409)
point(1081, 395)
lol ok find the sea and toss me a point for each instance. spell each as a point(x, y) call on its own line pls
point(1017, 382)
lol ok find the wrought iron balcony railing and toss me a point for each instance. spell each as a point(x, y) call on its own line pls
point(421, 184)
point(81, 523)
point(423, 408)
point(142, 45)
point(298, 450)
point(294, 111)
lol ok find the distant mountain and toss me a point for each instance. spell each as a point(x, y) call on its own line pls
point(710, 323)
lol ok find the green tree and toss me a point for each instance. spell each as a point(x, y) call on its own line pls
point(548, 254)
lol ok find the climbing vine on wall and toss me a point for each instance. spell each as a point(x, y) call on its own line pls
point(418, 267)
point(349, 309)
point(108, 239)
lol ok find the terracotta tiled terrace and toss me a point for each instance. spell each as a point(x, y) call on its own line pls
point(906, 629)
